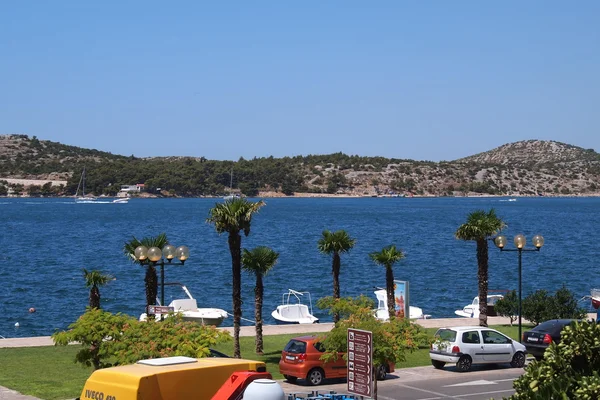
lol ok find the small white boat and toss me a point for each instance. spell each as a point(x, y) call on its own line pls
point(472, 310)
point(292, 311)
point(382, 313)
point(121, 200)
point(188, 308)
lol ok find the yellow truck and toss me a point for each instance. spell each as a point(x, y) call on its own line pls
point(169, 378)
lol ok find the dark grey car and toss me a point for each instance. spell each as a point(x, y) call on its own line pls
point(538, 339)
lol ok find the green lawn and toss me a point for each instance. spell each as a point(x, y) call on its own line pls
point(50, 372)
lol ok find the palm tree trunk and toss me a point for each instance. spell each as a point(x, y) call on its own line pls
point(235, 245)
point(389, 287)
point(94, 297)
point(258, 299)
point(335, 271)
point(482, 277)
point(151, 286)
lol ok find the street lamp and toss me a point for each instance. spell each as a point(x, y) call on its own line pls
point(155, 256)
point(538, 242)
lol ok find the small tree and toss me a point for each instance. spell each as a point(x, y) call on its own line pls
point(540, 306)
point(391, 340)
point(508, 306)
point(94, 279)
point(536, 306)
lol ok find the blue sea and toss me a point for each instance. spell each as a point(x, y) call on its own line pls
point(45, 244)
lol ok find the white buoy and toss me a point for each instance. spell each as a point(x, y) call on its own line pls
point(264, 389)
point(17, 324)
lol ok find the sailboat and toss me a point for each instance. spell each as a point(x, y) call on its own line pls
point(231, 195)
point(82, 198)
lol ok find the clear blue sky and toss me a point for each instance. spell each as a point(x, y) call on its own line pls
point(426, 80)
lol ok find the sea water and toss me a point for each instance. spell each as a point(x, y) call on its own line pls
point(45, 244)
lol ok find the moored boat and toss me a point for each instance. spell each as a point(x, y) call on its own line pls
point(293, 311)
point(189, 310)
point(472, 310)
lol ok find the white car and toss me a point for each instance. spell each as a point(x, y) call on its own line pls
point(467, 345)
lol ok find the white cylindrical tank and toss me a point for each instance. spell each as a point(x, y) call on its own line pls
point(264, 389)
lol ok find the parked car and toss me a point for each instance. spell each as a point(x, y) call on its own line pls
point(538, 339)
point(300, 359)
point(468, 345)
point(217, 353)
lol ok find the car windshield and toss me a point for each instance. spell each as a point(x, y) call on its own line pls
point(446, 334)
point(295, 346)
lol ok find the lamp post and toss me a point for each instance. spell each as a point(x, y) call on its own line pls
point(519, 240)
point(155, 256)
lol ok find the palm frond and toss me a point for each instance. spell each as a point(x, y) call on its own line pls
point(96, 278)
point(259, 260)
point(335, 242)
point(480, 225)
point(159, 241)
point(387, 257)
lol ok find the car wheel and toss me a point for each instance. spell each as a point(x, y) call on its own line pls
point(437, 364)
point(290, 379)
point(315, 377)
point(464, 364)
point(381, 373)
point(518, 360)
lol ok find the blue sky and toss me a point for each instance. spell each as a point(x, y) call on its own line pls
point(425, 80)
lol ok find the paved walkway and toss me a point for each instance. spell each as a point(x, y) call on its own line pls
point(7, 394)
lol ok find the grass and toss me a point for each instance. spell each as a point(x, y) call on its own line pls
point(50, 372)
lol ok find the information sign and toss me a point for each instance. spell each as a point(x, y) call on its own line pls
point(360, 362)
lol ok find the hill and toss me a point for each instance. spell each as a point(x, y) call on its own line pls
point(525, 168)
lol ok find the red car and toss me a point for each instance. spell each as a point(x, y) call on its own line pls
point(301, 359)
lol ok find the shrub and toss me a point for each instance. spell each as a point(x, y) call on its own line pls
point(122, 339)
point(569, 370)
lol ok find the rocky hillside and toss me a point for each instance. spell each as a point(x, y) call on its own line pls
point(526, 168)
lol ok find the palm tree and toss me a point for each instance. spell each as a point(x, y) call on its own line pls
point(387, 257)
point(259, 261)
point(232, 217)
point(94, 279)
point(151, 279)
point(335, 243)
point(480, 227)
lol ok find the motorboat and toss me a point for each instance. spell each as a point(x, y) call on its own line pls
point(188, 308)
point(121, 200)
point(293, 311)
point(382, 313)
point(472, 310)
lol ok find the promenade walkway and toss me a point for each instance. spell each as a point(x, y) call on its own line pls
point(7, 394)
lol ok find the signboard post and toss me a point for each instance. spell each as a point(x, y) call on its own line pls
point(360, 363)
